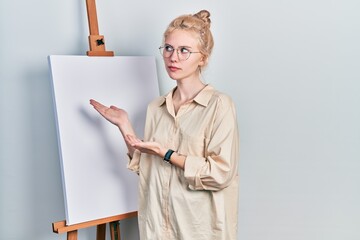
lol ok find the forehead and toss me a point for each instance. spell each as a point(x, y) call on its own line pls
point(182, 38)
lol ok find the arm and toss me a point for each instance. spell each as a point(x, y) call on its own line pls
point(219, 167)
point(119, 118)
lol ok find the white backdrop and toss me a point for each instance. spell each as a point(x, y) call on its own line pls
point(292, 68)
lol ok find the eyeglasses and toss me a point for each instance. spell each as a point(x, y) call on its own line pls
point(183, 53)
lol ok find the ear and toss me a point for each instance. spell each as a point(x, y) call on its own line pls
point(203, 61)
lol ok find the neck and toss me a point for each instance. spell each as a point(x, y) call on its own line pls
point(187, 90)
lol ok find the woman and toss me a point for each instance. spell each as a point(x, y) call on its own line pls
point(188, 160)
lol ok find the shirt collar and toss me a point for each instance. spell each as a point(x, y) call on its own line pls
point(202, 98)
point(204, 95)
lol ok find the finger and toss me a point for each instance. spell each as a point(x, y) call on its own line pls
point(132, 140)
point(100, 108)
point(96, 104)
point(144, 147)
point(132, 137)
point(129, 139)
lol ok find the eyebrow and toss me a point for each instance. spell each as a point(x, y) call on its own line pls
point(179, 46)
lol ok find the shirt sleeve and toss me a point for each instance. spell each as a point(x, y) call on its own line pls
point(217, 170)
point(134, 162)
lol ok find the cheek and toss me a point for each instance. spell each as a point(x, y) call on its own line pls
point(192, 65)
point(197, 59)
point(166, 61)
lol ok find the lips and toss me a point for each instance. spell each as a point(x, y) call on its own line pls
point(173, 68)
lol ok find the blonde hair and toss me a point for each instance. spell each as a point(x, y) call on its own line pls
point(198, 23)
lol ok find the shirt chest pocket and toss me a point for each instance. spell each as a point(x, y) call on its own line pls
point(191, 144)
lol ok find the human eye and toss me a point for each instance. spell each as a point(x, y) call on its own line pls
point(168, 48)
point(184, 50)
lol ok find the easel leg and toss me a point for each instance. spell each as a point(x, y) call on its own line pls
point(72, 235)
point(100, 231)
point(115, 230)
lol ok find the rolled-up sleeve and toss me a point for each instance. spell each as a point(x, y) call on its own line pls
point(217, 169)
point(134, 162)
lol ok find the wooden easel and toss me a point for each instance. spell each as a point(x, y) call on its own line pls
point(72, 230)
point(97, 48)
point(96, 41)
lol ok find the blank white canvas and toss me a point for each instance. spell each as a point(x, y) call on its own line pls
point(96, 182)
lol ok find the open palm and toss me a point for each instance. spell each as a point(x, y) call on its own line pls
point(115, 115)
point(145, 147)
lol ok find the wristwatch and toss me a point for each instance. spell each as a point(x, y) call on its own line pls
point(168, 155)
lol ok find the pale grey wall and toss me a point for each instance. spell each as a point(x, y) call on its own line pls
point(292, 67)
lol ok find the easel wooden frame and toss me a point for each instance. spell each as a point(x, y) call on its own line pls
point(72, 230)
point(97, 48)
point(96, 41)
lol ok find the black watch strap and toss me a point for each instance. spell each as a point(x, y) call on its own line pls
point(168, 155)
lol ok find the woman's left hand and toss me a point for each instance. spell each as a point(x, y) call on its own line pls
point(153, 148)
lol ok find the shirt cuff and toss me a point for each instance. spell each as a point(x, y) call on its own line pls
point(134, 162)
point(192, 170)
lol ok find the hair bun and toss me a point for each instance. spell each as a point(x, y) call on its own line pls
point(204, 15)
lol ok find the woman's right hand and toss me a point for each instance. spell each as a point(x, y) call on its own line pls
point(115, 115)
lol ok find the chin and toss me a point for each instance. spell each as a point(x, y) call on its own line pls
point(173, 76)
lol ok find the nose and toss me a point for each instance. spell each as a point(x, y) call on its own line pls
point(174, 56)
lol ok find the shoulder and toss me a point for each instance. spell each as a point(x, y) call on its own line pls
point(221, 99)
point(157, 102)
point(160, 101)
point(155, 105)
point(222, 105)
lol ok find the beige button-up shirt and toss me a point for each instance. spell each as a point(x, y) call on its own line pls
point(201, 201)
